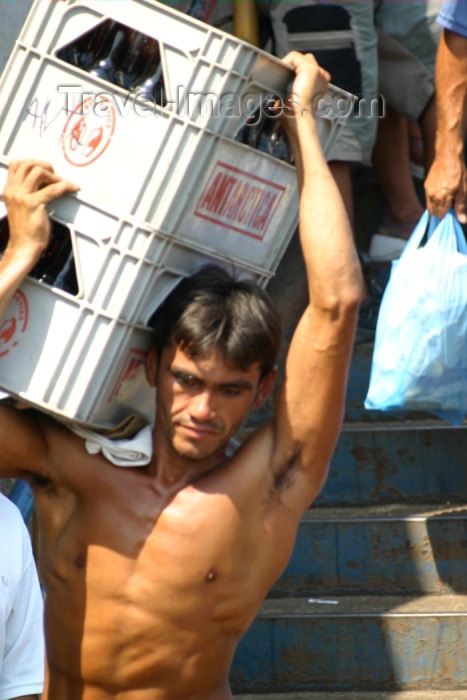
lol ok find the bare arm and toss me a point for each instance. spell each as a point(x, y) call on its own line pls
point(446, 183)
point(29, 188)
point(310, 407)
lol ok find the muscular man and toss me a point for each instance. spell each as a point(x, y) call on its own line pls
point(446, 183)
point(21, 635)
point(153, 574)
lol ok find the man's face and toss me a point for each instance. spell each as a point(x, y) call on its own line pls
point(202, 402)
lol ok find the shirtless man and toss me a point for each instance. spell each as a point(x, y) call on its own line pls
point(153, 574)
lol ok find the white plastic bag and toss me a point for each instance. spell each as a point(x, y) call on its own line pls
point(420, 352)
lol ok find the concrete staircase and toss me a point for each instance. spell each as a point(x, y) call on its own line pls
point(373, 604)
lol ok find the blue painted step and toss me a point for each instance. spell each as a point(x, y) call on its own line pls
point(397, 464)
point(359, 643)
point(385, 550)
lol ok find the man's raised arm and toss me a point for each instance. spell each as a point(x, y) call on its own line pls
point(310, 407)
point(30, 186)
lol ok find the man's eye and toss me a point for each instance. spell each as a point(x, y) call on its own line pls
point(232, 391)
point(185, 379)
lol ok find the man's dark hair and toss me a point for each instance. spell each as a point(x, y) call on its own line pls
point(210, 310)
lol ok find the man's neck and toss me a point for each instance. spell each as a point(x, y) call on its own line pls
point(172, 471)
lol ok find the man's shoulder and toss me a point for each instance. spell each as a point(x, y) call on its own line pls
point(64, 459)
point(249, 460)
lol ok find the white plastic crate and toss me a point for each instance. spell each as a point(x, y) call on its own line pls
point(162, 192)
point(136, 154)
point(80, 356)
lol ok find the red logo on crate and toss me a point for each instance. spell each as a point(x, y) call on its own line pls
point(131, 368)
point(239, 201)
point(89, 130)
point(15, 323)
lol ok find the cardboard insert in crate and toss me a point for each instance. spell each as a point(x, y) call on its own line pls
point(141, 143)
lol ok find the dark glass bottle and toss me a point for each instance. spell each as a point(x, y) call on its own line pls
point(107, 63)
point(56, 266)
point(151, 83)
point(272, 140)
point(66, 278)
point(264, 132)
point(4, 234)
point(55, 256)
point(132, 63)
point(85, 50)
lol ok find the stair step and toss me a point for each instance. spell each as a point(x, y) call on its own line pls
point(388, 695)
point(390, 550)
point(362, 606)
point(397, 466)
point(405, 424)
point(369, 643)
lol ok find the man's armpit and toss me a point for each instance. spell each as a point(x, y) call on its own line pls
point(285, 474)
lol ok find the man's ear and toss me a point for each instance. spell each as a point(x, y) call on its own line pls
point(265, 387)
point(150, 367)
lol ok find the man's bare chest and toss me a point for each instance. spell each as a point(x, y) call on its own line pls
point(136, 543)
point(151, 588)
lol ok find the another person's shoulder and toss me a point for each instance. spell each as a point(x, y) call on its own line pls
point(10, 515)
point(453, 16)
point(15, 543)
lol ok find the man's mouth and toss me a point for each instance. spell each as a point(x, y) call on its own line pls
point(199, 431)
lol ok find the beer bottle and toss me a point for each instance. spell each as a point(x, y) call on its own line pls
point(105, 64)
point(4, 234)
point(263, 132)
point(55, 263)
point(85, 50)
point(131, 63)
point(66, 278)
point(249, 133)
point(150, 86)
point(56, 266)
point(272, 140)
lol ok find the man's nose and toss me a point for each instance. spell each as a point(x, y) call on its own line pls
point(202, 406)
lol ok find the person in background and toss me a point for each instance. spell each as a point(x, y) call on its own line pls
point(408, 38)
point(21, 627)
point(384, 53)
point(446, 183)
